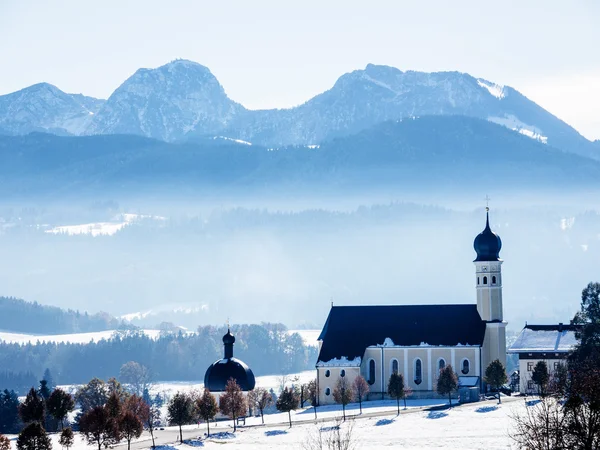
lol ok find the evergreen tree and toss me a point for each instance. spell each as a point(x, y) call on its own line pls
point(343, 393)
point(287, 402)
point(180, 411)
point(67, 438)
point(447, 382)
point(495, 376)
point(232, 402)
point(32, 409)
point(59, 405)
point(33, 437)
point(47, 377)
point(541, 377)
point(361, 390)
point(396, 388)
point(207, 408)
point(9, 412)
point(130, 426)
point(146, 396)
point(44, 390)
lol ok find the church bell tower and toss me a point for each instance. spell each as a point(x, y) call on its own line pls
point(488, 273)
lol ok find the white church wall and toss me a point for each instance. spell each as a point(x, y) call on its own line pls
point(328, 377)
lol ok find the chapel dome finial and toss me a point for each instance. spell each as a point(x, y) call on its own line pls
point(228, 339)
point(487, 243)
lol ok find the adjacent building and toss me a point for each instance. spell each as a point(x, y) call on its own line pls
point(549, 343)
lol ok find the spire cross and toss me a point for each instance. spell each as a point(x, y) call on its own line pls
point(228, 324)
point(487, 202)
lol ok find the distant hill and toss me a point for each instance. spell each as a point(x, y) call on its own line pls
point(44, 107)
point(184, 100)
point(20, 316)
point(427, 152)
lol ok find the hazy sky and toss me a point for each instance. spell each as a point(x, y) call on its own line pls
point(280, 53)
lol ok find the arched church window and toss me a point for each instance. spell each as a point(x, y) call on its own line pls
point(494, 279)
point(465, 366)
point(371, 379)
point(441, 363)
point(342, 373)
point(418, 371)
point(327, 391)
point(327, 373)
point(394, 366)
point(484, 280)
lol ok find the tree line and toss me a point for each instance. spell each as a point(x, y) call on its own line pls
point(266, 348)
point(20, 316)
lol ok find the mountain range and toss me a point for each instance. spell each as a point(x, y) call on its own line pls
point(183, 101)
point(431, 152)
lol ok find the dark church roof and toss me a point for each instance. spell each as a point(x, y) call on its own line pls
point(219, 373)
point(487, 244)
point(349, 330)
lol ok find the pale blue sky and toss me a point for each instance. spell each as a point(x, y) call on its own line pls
point(280, 53)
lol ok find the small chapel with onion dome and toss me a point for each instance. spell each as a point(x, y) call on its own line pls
point(219, 372)
point(418, 341)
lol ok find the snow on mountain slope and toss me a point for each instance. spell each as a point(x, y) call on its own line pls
point(183, 100)
point(166, 103)
point(44, 107)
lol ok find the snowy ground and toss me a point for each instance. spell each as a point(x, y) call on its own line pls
point(74, 338)
point(308, 336)
point(483, 425)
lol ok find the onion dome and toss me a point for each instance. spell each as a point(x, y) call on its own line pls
point(219, 373)
point(487, 243)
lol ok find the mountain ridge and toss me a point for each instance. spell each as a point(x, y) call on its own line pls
point(431, 152)
point(182, 100)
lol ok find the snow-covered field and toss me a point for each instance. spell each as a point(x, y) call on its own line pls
point(74, 338)
point(308, 336)
point(102, 228)
point(483, 425)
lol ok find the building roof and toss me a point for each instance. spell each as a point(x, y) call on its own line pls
point(487, 244)
point(219, 372)
point(349, 330)
point(557, 338)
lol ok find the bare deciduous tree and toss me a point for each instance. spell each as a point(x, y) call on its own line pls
point(337, 437)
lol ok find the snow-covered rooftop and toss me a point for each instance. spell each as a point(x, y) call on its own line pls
point(549, 338)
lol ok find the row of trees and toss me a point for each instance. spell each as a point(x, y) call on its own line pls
point(184, 408)
point(42, 408)
point(30, 317)
point(267, 348)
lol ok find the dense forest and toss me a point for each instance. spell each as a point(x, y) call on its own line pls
point(266, 348)
point(30, 317)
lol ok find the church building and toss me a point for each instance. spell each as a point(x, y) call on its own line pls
point(418, 340)
point(222, 370)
